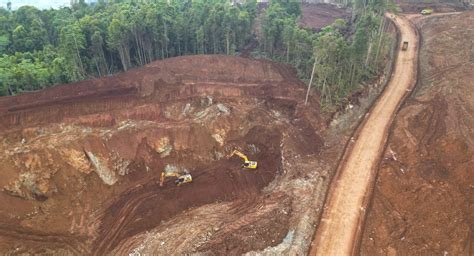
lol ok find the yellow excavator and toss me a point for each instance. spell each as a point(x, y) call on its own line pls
point(182, 176)
point(247, 164)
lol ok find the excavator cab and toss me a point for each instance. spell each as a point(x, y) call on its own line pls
point(247, 163)
point(182, 177)
point(250, 165)
point(426, 11)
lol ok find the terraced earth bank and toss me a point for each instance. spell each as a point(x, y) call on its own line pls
point(423, 198)
point(80, 163)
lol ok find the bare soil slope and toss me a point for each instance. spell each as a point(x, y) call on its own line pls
point(317, 16)
point(80, 163)
point(438, 6)
point(423, 200)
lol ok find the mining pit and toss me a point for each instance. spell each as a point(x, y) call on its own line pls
point(81, 162)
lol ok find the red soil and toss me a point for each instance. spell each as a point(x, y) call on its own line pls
point(82, 161)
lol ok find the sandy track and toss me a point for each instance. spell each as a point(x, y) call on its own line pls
point(344, 211)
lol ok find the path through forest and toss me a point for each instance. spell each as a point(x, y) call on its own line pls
point(344, 211)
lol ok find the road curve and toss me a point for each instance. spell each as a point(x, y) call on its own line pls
point(344, 212)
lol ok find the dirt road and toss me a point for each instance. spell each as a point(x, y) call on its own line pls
point(422, 200)
point(344, 211)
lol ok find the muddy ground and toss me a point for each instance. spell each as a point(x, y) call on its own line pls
point(81, 162)
point(435, 5)
point(317, 16)
point(423, 199)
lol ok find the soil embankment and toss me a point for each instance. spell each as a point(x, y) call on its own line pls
point(423, 198)
point(317, 16)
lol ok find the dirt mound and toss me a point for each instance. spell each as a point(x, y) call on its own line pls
point(155, 82)
point(81, 162)
point(317, 16)
point(423, 196)
point(414, 6)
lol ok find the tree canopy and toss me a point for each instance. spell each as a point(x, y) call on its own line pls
point(39, 48)
point(99, 39)
point(342, 55)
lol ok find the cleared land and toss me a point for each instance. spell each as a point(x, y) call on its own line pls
point(81, 162)
point(317, 16)
point(423, 198)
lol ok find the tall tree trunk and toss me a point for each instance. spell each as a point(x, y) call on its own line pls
point(162, 51)
point(310, 82)
point(227, 40)
point(97, 66)
point(381, 29)
point(214, 42)
point(288, 52)
point(326, 92)
point(368, 52)
point(124, 52)
point(102, 61)
point(79, 56)
point(352, 75)
point(139, 55)
point(185, 45)
point(166, 38)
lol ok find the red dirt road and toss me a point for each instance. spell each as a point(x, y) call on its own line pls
point(344, 211)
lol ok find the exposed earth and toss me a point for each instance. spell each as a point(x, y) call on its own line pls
point(344, 209)
point(81, 162)
point(423, 199)
point(80, 168)
point(438, 6)
point(317, 16)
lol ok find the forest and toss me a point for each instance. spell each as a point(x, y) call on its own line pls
point(336, 59)
point(41, 48)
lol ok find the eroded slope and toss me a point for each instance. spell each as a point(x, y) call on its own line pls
point(81, 162)
point(423, 197)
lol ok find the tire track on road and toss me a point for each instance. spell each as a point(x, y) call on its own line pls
point(345, 207)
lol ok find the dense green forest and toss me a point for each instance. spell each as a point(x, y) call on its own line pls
point(45, 47)
point(40, 48)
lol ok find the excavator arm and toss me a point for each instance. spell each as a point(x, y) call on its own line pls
point(164, 175)
point(240, 154)
point(247, 164)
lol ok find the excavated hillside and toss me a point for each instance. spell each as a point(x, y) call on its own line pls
point(319, 15)
point(423, 199)
point(80, 163)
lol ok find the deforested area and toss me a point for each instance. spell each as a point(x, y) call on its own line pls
point(235, 127)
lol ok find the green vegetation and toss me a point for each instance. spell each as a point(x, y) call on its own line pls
point(44, 47)
point(39, 48)
point(337, 58)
